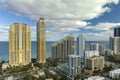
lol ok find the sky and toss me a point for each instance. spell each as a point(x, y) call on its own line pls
point(95, 19)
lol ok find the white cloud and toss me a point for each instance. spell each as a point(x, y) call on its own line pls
point(65, 25)
point(4, 33)
point(102, 36)
point(1, 1)
point(103, 26)
point(104, 31)
point(60, 15)
point(59, 9)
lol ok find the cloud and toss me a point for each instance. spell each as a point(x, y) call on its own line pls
point(65, 25)
point(1, 1)
point(4, 33)
point(103, 26)
point(61, 15)
point(104, 31)
point(59, 9)
point(101, 36)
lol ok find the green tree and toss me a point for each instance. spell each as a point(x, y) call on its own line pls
point(26, 77)
point(64, 78)
point(33, 60)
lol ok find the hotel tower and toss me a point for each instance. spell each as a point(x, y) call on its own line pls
point(41, 41)
point(19, 44)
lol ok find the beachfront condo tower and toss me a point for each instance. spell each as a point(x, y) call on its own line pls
point(19, 44)
point(41, 41)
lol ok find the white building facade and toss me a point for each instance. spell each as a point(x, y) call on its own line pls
point(98, 47)
point(95, 78)
point(72, 68)
point(116, 45)
point(94, 47)
point(74, 63)
point(102, 49)
point(80, 45)
point(115, 73)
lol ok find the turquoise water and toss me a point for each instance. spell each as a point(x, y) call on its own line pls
point(4, 48)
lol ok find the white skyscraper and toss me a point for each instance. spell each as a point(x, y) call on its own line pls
point(80, 45)
point(116, 45)
point(116, 40)
point(72, 67)
point(101, 49)
point(94, 46)
point(97, 47)
point(74, 63)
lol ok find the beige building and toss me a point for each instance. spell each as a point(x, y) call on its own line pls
point(19, 44)
point(62, 48)
point(41, 41)
point(95, 63)
point(5, 66)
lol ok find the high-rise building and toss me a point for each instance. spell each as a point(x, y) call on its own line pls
point(101, 49)
point(111, 45)
point(41, 41)
point(74, 63)
point(95, 63)
point(98, 47)
point(19, 44)
point(90, 54)
point(117, 32)
point(116, 41)
point(61, 49)
point(94, 47)
point(72, 67)
point(81, 46)
point(116, 45)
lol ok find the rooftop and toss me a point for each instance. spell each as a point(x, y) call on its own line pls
point(94, 57)
point(41, 18)
point(74, 55)
point(95, 78)
point(116, 71)
point(62, 40)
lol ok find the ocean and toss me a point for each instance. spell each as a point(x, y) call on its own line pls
point(4, 48)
